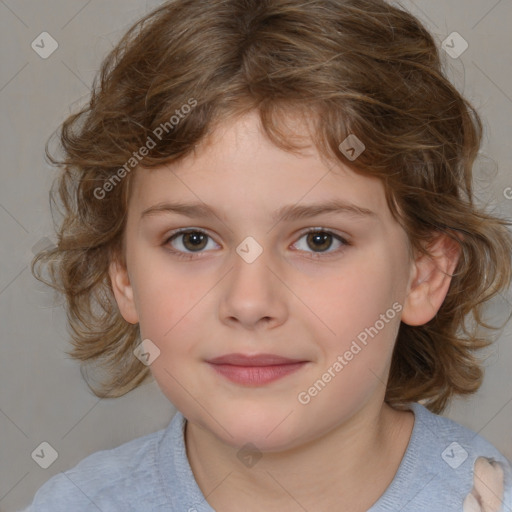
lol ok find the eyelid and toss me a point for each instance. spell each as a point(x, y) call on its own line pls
point(187, 230)
point(301, 233)
point(345, 237)
point(182, 231)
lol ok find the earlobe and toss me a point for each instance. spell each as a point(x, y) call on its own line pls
point(123, 292)
point(430, 281)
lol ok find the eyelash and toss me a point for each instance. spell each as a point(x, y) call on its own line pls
point(191, 255)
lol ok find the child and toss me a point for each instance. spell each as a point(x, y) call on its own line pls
point(268, 207)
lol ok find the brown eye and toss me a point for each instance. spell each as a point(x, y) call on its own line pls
point(194, 240)
point(319, 240)
point(189, 241)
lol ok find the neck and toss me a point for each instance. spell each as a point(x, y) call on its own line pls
point(354, 462)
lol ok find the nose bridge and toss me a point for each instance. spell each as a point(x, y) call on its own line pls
point(252, 291)
point(251, 267)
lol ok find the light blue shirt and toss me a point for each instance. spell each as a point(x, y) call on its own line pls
point(152, 473)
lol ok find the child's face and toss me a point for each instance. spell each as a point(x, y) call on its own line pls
point(286, 302)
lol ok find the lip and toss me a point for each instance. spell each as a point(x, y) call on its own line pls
point(255, 370)
point(254, 360)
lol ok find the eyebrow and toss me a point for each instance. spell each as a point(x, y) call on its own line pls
point(285, 213)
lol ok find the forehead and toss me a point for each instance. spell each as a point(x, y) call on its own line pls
point(238, 168)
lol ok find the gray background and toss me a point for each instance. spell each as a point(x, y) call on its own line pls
point(43, 397)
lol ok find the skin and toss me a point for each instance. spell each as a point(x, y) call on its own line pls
point(346, 441)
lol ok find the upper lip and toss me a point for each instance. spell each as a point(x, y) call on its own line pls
point(254, 360)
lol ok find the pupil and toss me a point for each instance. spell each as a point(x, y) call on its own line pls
point(195, 239)
point(320, 238)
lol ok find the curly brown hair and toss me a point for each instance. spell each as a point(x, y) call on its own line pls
point(359, 67)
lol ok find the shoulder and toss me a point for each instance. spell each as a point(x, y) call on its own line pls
point(461, 462)
point(105, 478)
point(457, 442)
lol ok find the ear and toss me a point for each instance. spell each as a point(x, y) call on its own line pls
point(430, 280)
point(123, 291)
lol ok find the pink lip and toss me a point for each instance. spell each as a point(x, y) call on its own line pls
point(257, 360)
point(255, 370)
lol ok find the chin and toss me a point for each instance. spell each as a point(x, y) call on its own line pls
point(269, 430)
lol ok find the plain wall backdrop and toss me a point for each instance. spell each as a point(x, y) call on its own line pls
point(43, 397)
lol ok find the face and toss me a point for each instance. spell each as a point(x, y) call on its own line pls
point(251, 276)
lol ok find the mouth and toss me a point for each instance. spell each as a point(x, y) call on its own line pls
point(255, 370)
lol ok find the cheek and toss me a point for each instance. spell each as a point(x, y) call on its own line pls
point(360, 318)
point(165, 296)
point(354, 299)
point(170, 316)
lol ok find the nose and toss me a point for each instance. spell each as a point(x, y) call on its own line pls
point(253, 294)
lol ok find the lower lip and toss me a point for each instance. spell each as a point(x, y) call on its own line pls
point(256, 375)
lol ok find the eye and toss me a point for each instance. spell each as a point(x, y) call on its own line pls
point(320, 241)
point(188, 241)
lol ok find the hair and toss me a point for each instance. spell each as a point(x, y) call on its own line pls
point(360, 67)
